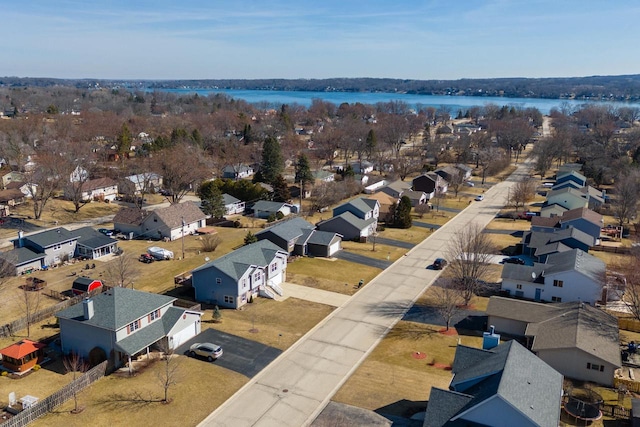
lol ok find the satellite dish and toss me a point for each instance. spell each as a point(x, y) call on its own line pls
point(206, 259)
point(533, 275)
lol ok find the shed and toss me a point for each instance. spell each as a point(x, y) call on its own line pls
point(22, 356)
point(85, 284)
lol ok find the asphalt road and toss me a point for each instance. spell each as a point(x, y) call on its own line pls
point(364, 260)
point(393, 242)
point(239, 354)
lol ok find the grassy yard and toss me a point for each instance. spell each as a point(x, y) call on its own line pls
point(395, 377)
point(414, 234)
point(509, 224)
point(330, 275)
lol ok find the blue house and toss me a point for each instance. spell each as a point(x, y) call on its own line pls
point(539, 245)
point(571, 175)
point(583, 219)
point(361, 207)
point(235, 278)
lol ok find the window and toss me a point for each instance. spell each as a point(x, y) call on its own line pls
point(228, 299)
point(257, 276)
point(131, 327)
point(244, 283)
point(558, 283)
point(154, 315)
point(595, 367)
point(218, 280)
point(556, 299)
point(518, 286)
point(274, 267)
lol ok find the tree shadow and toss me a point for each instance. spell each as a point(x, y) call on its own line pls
point(403, 408)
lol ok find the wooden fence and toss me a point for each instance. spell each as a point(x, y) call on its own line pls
point(629, 324)
point(619, 412)
point(58, 398)
point(631, 385)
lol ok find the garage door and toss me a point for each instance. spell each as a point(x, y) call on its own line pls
point(277, 278)
point(334, 248)
point(184, 335)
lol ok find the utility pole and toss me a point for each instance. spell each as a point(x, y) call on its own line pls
point(301, 194)
point(182, 237)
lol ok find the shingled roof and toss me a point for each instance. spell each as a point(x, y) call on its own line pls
point(173, 215)
point(94, 184)
point(131, 216)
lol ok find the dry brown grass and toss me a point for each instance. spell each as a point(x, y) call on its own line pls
point(412, 235)
point(392, 374)
point(509, 224)
point(330, 275)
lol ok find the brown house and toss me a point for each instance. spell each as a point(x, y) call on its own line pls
point(11, 197)
point(22, 356)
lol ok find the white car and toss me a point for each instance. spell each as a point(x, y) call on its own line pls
point(469, 184)
point(479, 197)
point(206, 349)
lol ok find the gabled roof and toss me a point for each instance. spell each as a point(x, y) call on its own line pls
point(577, 260)
point(15, 185)
point(93, 239)
point(361, 205)
point(546, 242)
point(290, 229)
point(414, 195)
point(229, 199)
point(142, 177)
point(173, 215)
point(19, 256)
point(116, 308)
point(352, 220)
point(267, 206)
point(235, 264)
point(566, 191)
point(444, 405)
point(570, 173)
point(583, 213)
point(22, 348)
point(549, 222)
point(513, 373)
point(8, 195)
point(94, 184)
point(317, 237)
point(523, 311)
point(130, 216)
point(47, 238)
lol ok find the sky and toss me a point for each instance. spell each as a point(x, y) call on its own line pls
point(405, 39)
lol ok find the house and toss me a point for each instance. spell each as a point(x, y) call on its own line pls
point(323, 176)
point(57, 244)
point(553, 209)
point(450, 173)
point(237, 277)
point(299, 237)
point(363, 208)
point(143, 182)
point(568, 197)
point(395, 188)
point(364, 167)
point(121, 323)
point(386, 202)
point(573, 275)
point(464, 170)
point(417, 197)
point(571, 175)
point(171, 223)
point(103, 189)
point(91, 244)
point(430, 183)
point(232, 206)
point(237, 171)
point(540, 244)
point(583, 219)
point(376, 185)
point(79, 174)
point(579, 341)
point(265, 208)
point(22, 356)
point(12, 197)
point(11, 176)
point(21, 261)
point(25, 188)
point(349, 226)
point(503, 387)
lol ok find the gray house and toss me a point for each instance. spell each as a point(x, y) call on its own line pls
point(22, 260)
point(576, 339)
point(349, 226)
point(237, 277)
point(57, 245)
point(361, 207)
point(503, 387)
point(122, 323)
point(232, 205)
point(93, 245)
point(264, 209)
point(299, 237)
point(582, 219)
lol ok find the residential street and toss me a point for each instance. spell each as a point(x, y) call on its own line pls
point(296, 387)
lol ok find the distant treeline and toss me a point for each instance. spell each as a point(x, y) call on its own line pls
point(611, 88)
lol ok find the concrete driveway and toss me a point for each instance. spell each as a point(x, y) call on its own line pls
point(239, 354)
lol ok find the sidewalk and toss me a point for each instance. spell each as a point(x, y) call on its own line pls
point(297, 386)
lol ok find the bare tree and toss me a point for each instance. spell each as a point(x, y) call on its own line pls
point(446, 299)
point(523, 192)
point(182, 168)
point(455, 181)
point(627, 195)
point(75, 365)
point(469, 252)
point(122, 271)
point(43, 181)
point(29, 302)
point(169, 375)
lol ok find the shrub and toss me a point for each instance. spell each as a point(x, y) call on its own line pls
point(36, 367)
point(271, 218)
point(237, 224)
point(279, 215)
point(250, 238)
point(210, 242)
point(4, 373)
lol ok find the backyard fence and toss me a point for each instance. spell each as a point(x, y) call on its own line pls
point(619, 412)
point(632, 386)
point(629, 324)
point(58, 398)
point(18, 325)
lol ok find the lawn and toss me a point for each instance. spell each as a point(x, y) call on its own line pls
point(396, 377)
point(509, 224)
point(385, 252)
point(334, 275)
point(414, 234)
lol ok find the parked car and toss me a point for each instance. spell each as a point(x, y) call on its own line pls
point(105, 231)
point(469, 184)
point(513, 260)
point(479, 197)
point(439, 263)
point(206, 349)
point(146, 258)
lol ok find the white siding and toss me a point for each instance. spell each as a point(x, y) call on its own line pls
point(572, 363)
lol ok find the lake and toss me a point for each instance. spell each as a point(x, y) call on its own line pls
point(275, 98)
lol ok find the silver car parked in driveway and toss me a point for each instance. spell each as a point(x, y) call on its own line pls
point(207, 350)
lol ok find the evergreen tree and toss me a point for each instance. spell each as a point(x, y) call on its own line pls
point(212, 200)
point(250, 238)
point(123, 141)
point(402, 215)
point(281, 191)
point(216, 315)
point(303, 171)
point(372, 142)
point(272, 163)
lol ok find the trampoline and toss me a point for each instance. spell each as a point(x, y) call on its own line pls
point(581, 410)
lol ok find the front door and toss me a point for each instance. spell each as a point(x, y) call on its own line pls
point(538, 292)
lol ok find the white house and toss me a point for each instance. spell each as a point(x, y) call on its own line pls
point(104, 189)
point(232, 205)
point(170, 223)
point(237, 277)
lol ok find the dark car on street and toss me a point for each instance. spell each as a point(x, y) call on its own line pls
point(513, 260)
point(439, 263)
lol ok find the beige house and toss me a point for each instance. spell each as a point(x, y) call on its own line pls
point(576, 339)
